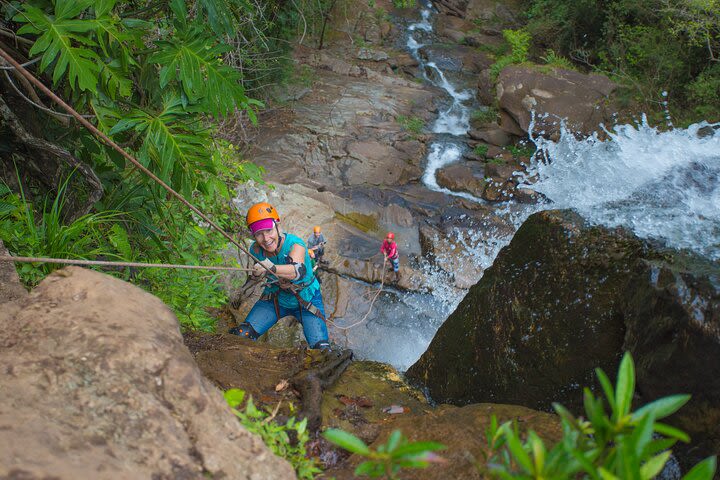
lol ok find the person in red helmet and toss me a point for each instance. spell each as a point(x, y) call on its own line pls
point(390, 250)
point(291, 287)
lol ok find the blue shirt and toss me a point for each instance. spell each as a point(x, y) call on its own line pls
point(313, 240)
point(286, 298)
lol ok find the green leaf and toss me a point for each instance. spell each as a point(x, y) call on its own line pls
point(6, 208)
point(538, 450)
point(347, 441)
point(654, 466)
point(369, 468)
point(704, 470)
point(605, 475)
point(394, 440)
point(57, 40)
point(119, 239)
point(193, 60)
point(663, 407)
point(518, 452)
point(234, 396)
point(625, 386)
point(607, 387)
point(416, 448)
point(672, 432)
point(103, 7)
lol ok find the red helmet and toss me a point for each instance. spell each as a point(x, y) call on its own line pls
point(391, 236)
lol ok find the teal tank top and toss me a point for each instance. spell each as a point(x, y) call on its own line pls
point(285, 298)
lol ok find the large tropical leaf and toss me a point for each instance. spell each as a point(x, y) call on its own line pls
point(194, 61)
point(61, 40)
point(174, 144)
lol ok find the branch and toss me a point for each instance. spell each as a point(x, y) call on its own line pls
point(45, 148)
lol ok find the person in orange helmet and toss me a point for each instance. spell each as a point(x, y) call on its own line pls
point(316, 243)
point(291, 287)
point(390, 250)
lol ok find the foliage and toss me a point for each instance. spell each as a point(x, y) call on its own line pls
point(152, 76)
point(619, 444)
point(403, 3)
point(519, 41)
point(486, 115)
point(648, 46)
point(412, 124)
point(522, 150)
point(44, 233)
point(390, 457)
point(287, 441)
point(480, 150)
point(552, 59)
point(704, 92)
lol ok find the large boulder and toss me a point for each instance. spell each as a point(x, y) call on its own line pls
point(96, 383)
point(582, 101)
point(564, 298)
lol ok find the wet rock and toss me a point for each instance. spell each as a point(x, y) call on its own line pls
point(462, 177)
point(97, 384)
point(501, 169)
point(584, 101)
point(564, 298)
point(462, 431)
point(498, 338)
point(493, 136)
point(457, 58)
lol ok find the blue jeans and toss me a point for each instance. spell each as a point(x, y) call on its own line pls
point(395, 264)
point(262, 317)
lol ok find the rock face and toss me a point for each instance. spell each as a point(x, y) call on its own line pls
point(96, 383)
point(564, 298)
point(583, 100)
point(10, 287)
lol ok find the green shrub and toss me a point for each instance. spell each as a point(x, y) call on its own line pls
point(404, 3)
point(480, 150)
point(704, 92)
point(390, 457)
point(487, 115)
point(412, 124)
point(277, 437)
point(28, 233)
point(519, 41)
point(552, 59)
point(619, 444)
point(524, 151)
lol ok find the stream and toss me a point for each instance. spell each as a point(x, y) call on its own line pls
point(663, 185)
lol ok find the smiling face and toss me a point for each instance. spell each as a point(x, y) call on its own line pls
point(268, 240)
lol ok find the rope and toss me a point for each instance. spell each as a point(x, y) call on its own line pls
point(372, 302)
point(116, 264)
point(122, 152)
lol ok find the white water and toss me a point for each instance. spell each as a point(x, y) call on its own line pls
point(661, 185)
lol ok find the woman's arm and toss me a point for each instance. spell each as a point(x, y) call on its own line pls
point(288, 272)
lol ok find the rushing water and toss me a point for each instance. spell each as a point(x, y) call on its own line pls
point(662, 185)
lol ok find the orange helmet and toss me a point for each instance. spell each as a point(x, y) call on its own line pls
point(316, 229)
point(391, 235)
point(261, 211)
